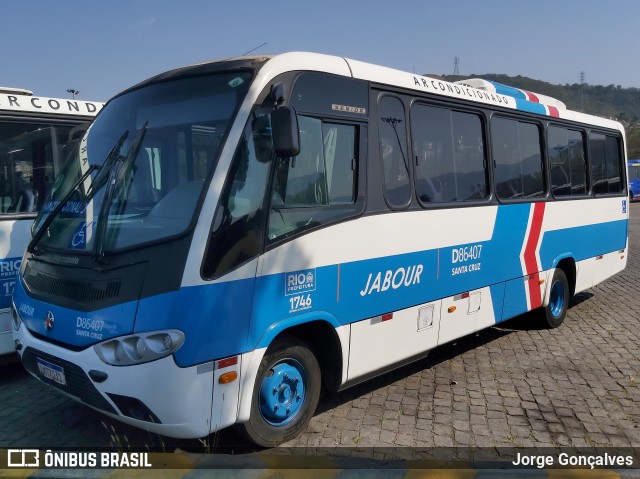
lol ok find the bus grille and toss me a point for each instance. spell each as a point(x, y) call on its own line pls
point(78, 383)
point(74, 290)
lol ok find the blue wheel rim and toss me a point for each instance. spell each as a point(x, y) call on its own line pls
point(556, 301)
point(282, 392)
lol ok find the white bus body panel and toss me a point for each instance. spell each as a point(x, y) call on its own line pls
point(379, 342)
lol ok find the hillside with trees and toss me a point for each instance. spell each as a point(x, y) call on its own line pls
point(613, 101)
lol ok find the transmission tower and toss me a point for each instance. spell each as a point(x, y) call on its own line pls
point(456, 64)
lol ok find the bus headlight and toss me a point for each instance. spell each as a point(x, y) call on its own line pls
point(17, 321)
point(139, 348)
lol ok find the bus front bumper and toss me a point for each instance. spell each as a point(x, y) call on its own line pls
point(157, 396)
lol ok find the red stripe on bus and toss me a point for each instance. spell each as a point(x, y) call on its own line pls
point(553, 111)
point(530, 262)
point(532, 96)
point(533, 283)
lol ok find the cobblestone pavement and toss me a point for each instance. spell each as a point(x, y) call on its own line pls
point(511, 385)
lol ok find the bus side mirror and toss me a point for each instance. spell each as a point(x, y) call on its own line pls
point(285, 132)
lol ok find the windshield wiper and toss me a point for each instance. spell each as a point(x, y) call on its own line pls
point(115, 177)
point(106, 165)
point(113, 155)
point(54, 212)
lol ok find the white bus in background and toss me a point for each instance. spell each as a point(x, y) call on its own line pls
point(36, 135)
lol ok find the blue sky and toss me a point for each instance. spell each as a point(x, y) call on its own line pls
point(102, 47)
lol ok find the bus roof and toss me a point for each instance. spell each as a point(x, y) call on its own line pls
point(12, 100)
point(268, 66)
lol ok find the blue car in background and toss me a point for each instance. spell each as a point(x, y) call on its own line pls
point(634, 179)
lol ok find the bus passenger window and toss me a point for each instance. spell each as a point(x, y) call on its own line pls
point(518, 159)
point(606, 164)
point(31, 154)
point(317, 186)
point(449, 155)
point(566, 162)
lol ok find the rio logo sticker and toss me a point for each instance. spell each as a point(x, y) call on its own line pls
point(9, 268)
point(296, 282)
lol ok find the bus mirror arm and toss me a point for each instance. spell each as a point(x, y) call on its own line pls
point(278, 94)
point(285, 132)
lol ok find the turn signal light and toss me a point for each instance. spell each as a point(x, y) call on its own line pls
point(228, 377)
point(451, 309)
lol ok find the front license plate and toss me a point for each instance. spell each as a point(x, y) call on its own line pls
point(51, 371)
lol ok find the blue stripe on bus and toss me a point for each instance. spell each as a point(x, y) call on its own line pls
point(522, 103)
point(531, 106)
point(75, 327)
point(509, 91)
point(497, 298)
point(345, 304)
point(582, 242)
point(515, 299)
point(229, 318)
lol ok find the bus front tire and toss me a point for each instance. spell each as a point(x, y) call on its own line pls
point(285, 394)
point(556, 310)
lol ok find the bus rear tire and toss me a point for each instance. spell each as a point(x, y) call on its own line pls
point(556, 310)
point(285, 394)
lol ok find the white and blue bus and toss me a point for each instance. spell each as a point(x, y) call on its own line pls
point(235, 235)
point(36, 135)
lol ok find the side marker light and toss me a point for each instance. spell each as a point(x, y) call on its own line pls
point(228, 377)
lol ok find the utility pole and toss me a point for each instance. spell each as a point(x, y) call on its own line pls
point(456, 64)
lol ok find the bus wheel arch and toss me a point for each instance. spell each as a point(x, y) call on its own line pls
point(285, 393)
point(568, 267)
point(324, 342)
point(298, 361)
point(556, 309)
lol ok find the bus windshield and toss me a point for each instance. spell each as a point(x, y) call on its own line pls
point(154, 148)
point(634, 171)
